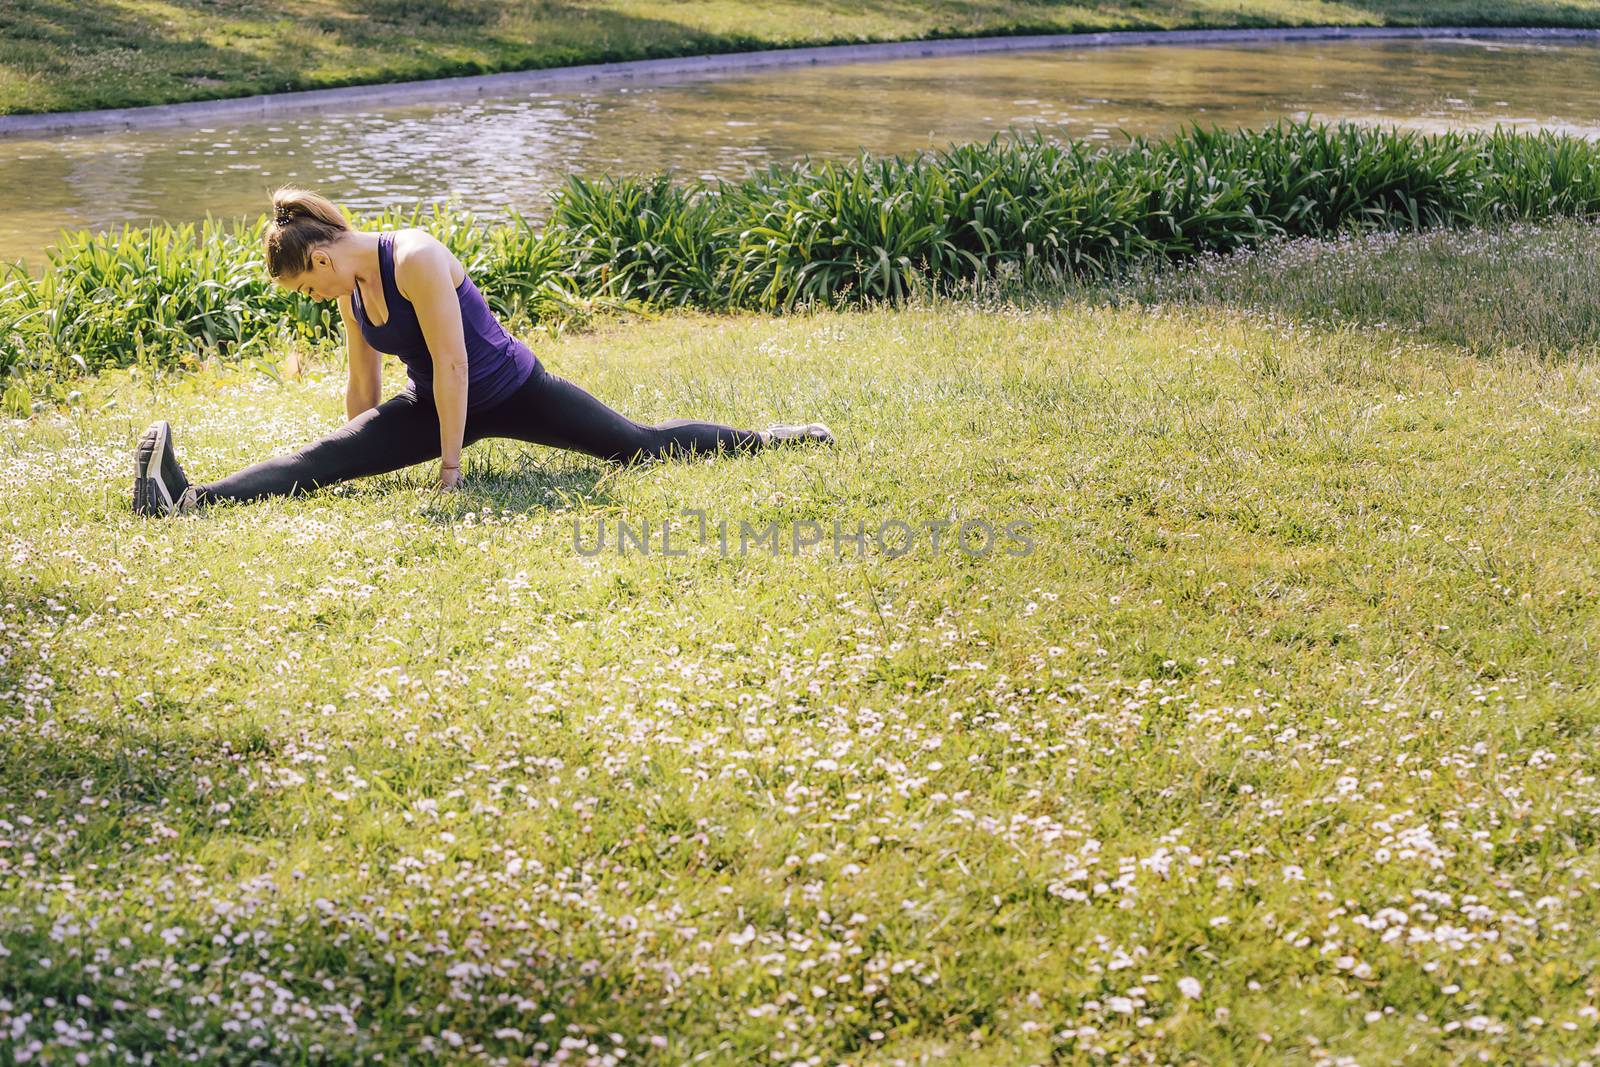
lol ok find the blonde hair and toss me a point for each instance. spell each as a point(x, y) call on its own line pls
point(301, 222)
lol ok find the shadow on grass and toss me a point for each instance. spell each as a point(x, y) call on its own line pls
point(1478, 13)
point(498, 475)
point(57, 43)
point(562, 34)
point(110, 27)
point(108, 797)
point(507, 476)
point(139, 752)
point(60, 42)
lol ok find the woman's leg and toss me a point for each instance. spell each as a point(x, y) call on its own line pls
point(548, 410)
point(400, 432)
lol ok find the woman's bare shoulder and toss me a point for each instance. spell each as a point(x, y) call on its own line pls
point(417, 251)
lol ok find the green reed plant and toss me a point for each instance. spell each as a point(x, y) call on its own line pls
point(1534, 178)
point(814, 231)
point(644, 239)
point(829, 233)
point(1046, 205)
point(1304, 179)
point(173, 295)
point(183, 291)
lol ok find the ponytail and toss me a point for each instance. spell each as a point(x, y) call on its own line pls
point(301, 221)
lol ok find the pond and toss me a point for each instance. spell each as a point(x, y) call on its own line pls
point(492, 154)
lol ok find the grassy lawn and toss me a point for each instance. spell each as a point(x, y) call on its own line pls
point(1278, 746)
point(58, 55)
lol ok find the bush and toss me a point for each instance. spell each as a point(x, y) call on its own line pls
point(818, 232)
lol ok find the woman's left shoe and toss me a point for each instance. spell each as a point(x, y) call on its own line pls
point(159, 484)
point(796, 434)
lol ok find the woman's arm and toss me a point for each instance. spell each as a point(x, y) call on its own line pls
point(366, 365)
point(422, 274)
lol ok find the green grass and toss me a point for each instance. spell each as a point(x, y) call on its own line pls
point(1294, 696)
point(56, 55)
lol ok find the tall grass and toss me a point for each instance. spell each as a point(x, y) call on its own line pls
point(824, 233)
point(1526, 288)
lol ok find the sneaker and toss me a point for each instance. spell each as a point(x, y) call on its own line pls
point(159, 484)
point(796, 434)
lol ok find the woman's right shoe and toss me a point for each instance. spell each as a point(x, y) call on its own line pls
point(159, 484)
point(797, 434)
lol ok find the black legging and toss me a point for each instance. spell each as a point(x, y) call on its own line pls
point(404, 430)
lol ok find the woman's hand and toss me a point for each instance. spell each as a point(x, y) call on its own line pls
point(449, 478)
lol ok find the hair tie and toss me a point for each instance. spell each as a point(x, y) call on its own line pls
point(284, 217)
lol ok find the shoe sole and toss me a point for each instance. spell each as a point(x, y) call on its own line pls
point(150, 493)
point(810, 433)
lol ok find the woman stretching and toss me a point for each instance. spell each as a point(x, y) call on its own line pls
point(405, 293)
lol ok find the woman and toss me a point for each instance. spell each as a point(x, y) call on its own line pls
point(406, 294)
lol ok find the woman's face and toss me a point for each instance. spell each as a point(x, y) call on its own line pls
point(324, 281)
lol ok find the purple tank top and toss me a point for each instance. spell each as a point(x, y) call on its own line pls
point(497, 363)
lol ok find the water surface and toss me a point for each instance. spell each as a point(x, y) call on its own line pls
point(491, 154)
